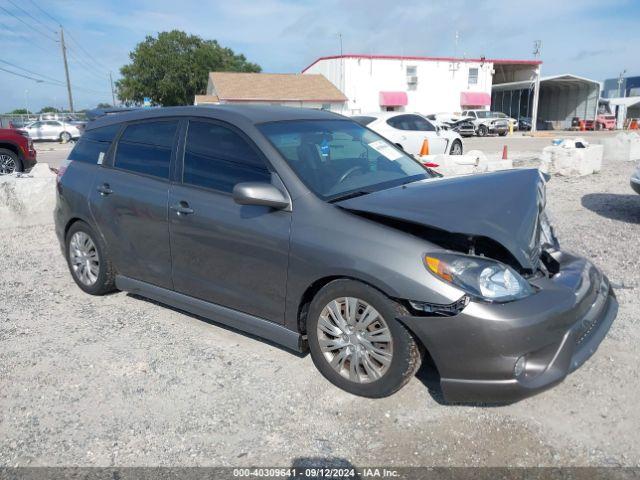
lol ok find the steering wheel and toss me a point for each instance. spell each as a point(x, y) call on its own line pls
point(349, 172)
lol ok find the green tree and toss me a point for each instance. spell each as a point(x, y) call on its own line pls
point(173, 67)
point(49, 110)
point(104, 105)
point(20, 111)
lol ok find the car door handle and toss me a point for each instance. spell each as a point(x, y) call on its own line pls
point(104, 189)
point(182, 208)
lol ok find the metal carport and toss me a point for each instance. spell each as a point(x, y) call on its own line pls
point(562, 97)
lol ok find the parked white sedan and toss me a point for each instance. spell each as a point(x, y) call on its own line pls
point(52, 130)
point(409, 131)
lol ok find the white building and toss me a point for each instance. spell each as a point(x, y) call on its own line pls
point(427, 85)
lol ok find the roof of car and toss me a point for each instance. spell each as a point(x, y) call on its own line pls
point(252, 113)
point(383, 115)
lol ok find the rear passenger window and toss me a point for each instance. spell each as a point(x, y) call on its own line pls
point(94, 144)
point(146, 148)
point(217, 157)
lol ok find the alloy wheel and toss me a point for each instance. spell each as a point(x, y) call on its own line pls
point(355, 339)
point(456, 149)
point(84, 258)
point(7, 164)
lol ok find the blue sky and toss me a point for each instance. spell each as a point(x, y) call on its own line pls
point(596, 39)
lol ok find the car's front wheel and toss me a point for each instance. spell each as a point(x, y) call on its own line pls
point(88, 261)
point(9, 162)
point(356, 341)
point(482, 131)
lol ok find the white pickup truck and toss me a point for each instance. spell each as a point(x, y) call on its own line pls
point(488, 122)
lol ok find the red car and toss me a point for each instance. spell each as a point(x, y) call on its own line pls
point(16, 151)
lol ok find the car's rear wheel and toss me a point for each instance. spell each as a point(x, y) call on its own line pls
point(482, 131)
point(456, 148)
point(502, 134)
point(9, 162)
point(356, 341)
point(88, 260)
point(65, 137)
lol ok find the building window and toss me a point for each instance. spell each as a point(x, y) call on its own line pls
point(326, 106)
point(473, 76)
point(412, 77)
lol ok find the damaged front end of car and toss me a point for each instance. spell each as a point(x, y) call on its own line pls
point(528, 313)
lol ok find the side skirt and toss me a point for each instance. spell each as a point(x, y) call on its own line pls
point(217, 313)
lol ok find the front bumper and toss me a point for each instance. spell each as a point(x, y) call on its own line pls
point(557, 329)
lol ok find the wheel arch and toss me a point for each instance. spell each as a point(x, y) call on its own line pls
point(12, 147)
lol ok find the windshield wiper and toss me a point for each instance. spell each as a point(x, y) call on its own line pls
point(346, 196)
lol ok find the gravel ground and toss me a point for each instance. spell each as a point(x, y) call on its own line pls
point(121, 381)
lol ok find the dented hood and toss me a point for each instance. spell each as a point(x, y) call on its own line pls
point(503, 206)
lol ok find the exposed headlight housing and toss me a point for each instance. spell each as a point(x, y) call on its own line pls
point(547, 234)
point(480, 277)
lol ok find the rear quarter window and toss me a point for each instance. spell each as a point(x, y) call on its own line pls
point(94, 144)
point(145, 148)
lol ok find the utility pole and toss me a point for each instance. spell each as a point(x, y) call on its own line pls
point(113, 95)
point(66, 68)
point(537, 47)
point(620, 82)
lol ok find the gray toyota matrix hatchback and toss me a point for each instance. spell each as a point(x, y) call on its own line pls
point(309, 230)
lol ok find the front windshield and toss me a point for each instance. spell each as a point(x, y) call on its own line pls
point(499, 115)
point(337, 158)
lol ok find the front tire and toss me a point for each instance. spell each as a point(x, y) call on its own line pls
point(357, 343)
point(9, 162)
point(503, 134)
point(88, 260)
point(482, 131)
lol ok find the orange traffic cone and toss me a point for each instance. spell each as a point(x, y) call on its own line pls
point(504, 152)
point(425, 148)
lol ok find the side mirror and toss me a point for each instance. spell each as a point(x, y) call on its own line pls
point(258, 193)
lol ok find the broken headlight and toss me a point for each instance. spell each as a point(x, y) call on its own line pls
point(480, 277)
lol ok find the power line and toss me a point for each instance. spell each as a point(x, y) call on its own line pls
point(87, 54)
point(31, 16)
point(29, 26)
point(30, 71)
point(24, 76)
point(56, 21)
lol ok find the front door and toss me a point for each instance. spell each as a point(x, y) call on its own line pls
point(129, 201)
point(229, 254)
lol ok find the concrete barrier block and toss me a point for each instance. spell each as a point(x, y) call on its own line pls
point(566, 160)
point(499, 165)
point(27, 199)
point(623, 147)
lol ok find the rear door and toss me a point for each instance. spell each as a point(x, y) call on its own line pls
point(437, 143)
point(129, 200)
point(229, 254)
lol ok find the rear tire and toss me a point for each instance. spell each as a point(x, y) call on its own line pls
point(65, 137)
point(456, 148)
point(88, 260)
point(503, 134)
point(9, 162)
point(382, 366)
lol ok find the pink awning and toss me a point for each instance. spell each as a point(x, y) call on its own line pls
point(475, 98)
point(393, 99)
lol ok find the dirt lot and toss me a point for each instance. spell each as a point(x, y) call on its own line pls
point(118, 380)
